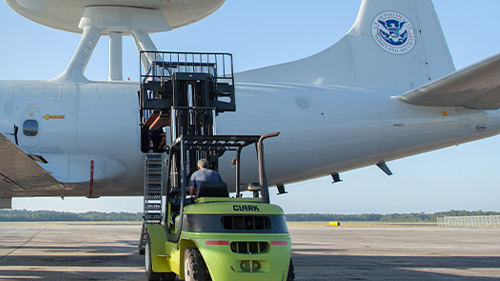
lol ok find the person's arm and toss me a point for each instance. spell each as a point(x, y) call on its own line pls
point(192, 188)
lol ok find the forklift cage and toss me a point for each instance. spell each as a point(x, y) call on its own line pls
point(217, 143)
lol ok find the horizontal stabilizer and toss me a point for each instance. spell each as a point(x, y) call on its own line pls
point(476, 86)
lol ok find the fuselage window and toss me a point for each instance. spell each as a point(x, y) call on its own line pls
point(30, 127)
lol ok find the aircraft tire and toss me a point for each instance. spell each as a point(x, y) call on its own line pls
point(195, 268)
point(291, 272)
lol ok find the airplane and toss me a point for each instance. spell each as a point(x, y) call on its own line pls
point(336, 110)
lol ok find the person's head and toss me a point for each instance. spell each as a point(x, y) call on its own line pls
point(202, 164)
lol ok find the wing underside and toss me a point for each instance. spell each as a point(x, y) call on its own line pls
point(477, 87)
point(19, 174)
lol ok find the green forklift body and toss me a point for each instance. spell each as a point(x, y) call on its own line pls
point(239, 239)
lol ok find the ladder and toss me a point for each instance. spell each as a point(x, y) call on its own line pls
point(153, 188)
point(153, 194)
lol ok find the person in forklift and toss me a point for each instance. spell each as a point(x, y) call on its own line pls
point(203, 174)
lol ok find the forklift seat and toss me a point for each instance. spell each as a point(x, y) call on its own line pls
point(212, 189)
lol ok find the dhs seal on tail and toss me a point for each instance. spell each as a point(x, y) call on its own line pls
point(393, 32)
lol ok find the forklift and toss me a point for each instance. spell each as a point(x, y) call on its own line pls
point(209, 235)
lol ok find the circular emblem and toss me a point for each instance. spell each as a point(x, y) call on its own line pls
point(393, 32)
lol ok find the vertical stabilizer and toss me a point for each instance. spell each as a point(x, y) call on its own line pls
point(394, 45)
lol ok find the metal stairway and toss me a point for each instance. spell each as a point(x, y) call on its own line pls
point(153, 193)
point(153, 188)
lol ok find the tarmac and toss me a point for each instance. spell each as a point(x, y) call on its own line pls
point(80, 251)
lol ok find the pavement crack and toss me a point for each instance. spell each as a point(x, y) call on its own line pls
point(22, 245)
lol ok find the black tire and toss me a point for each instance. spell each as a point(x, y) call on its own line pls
point(195, 268)
point(169, 276)
point(150, 274)
point(141, 249)
point(291, 273)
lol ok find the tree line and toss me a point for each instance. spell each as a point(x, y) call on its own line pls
point(37, 216)
point(25, 215)
point(410, 217)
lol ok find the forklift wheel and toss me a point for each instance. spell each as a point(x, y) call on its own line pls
point(195, 268)
point(291, 272)
point(150, 274)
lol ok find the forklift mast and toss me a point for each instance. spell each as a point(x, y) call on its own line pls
point(180, 96)
point(185, 92)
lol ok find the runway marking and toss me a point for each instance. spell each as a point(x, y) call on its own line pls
point(110, 269)
point(68, 254)
point(15, 277)
point(468, 272)
point(396, 256)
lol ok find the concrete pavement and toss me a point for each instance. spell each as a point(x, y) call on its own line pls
point(79, 251)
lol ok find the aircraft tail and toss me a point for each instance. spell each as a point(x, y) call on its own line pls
point(394, 45)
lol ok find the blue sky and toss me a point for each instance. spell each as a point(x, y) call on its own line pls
point(261, 33)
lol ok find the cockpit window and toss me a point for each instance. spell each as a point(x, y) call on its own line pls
point(30, 128)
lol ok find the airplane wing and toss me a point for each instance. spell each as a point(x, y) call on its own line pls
point(20, 174)
point(476, 86)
